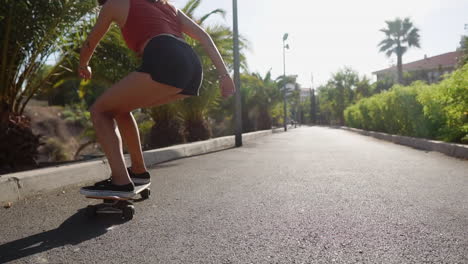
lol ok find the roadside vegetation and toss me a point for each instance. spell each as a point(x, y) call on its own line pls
point(438, 111)
point(405, 106)
point(57, 29)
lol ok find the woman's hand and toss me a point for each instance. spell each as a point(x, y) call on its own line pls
point(85, 72)
point(227, 86)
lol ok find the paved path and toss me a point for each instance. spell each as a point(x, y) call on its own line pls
point(312, 195)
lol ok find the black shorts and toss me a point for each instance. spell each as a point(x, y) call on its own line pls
point(173, 62)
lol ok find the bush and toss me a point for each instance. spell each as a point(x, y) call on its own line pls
point(165, 133)
point(446, 106)
point(167, 130)
point(56, 150)
point(438, 111)
point(18, 144)
point(196, 130)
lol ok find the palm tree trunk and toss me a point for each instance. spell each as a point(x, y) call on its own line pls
point(400, 66)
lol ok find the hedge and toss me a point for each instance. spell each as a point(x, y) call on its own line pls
point(438, 111)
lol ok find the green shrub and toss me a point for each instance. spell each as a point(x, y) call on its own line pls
point(18, 144)
point(438, 111)
point(446, 106)
point(56, 150)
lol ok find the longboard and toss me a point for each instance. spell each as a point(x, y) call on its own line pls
point(117, 204)
point(139, 189)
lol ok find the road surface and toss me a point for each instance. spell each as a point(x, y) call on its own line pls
point(311, 195)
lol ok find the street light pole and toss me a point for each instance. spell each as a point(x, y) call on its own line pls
point(285, 37)
point(238, 104)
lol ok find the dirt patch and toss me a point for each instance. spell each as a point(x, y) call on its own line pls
point(61, 138)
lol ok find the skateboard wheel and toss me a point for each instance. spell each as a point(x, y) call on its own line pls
point(128, 212)
point(145, 194)
point(91, 211)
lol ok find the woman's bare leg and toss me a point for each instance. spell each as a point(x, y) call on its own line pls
point(134, 91)
point(131, 137)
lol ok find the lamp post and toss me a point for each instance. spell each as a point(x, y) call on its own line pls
point(285, 46)
point(238, 104)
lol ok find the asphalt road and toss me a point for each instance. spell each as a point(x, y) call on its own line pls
point(312, 195)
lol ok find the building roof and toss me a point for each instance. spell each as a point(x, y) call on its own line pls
point(446, 60)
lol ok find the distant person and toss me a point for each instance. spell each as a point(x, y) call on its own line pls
point(170, 70)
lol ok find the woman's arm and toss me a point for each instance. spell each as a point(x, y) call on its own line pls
point(196, 32)
point(101, 27)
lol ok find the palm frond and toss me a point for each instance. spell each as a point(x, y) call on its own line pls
point(413, 38)
point(390, 52)
point(386, 44)
point(386, 31)
point(190, 7)
point(221, 12)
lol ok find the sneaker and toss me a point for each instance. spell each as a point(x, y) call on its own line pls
point(125, 191)
point(104, 182)
point(139, 179)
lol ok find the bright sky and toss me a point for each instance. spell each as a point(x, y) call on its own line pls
point(327, 35)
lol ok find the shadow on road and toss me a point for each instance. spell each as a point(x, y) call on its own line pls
point(75, 230)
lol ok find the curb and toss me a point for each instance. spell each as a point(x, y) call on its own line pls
point(16, 186)
point(450, 149)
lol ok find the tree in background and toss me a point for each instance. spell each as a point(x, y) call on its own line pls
point(26, 46)
point(259, 95)
point(400, 36)
point(382, 85)
point(363, 89)
point(295, 102)
point(305, 113)
point(343, 89)
point(324, 106)
point(342, 86)
point(464, 49)
point(267, 95)
point(31, 31)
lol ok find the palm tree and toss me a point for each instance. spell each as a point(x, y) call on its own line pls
point(267, 95)
point(400, 36)
point(26, 46)
point(31, 32)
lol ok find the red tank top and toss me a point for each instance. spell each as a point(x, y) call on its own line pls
point(147, 19)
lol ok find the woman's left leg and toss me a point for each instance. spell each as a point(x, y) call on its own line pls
point(135, 91)
point(131, 136)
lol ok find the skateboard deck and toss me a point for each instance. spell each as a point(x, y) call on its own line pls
point(117, 204)
point(138, 189)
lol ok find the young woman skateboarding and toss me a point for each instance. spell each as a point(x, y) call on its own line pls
point(170, 70)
